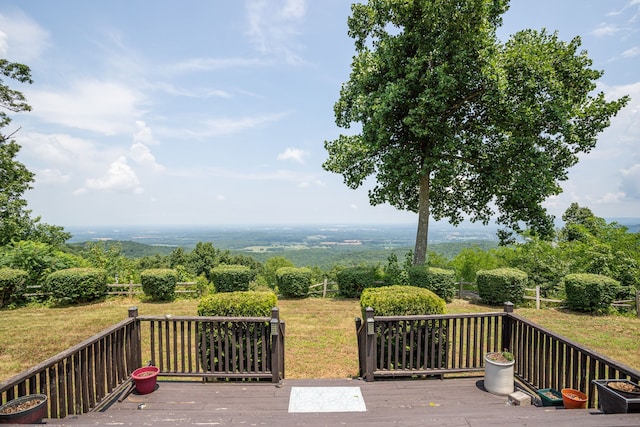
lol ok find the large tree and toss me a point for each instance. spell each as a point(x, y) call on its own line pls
point(454, 123)
point(15, 219)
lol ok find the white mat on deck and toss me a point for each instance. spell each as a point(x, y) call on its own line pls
point(326, 399)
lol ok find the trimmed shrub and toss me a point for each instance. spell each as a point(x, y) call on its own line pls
point(232, 278)
point(238, 304)
point(439, 281)
point(294, 282)
point(590, 292)
point(159, 283)
point(401, 301)
point(500, 285)
point(12, 285)
point(395, 339)
point(250, 339)
point(351, 281)
point(77, 285)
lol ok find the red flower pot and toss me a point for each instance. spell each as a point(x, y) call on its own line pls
point(573, 399)
point(145, 379)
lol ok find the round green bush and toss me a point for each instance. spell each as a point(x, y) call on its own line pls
point(159, 283)
point(590, 292)
point(500, 285)
point(77, 285)
point(401, 300)
point(238, 304)
point(351, 281)
point(232, 278)
point(294, 282)
point(439, 281)
point(12, 285)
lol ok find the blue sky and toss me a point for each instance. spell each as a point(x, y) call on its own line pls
point(215, 113)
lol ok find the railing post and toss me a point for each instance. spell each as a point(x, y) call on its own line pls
point(276, 342)
point(136, 344)
point(370, 345)
point(537, 297)
point(324, 288)
point(506, 327)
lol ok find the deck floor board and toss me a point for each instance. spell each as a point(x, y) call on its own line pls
point(452, 402)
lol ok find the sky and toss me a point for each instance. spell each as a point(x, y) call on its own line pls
point(204, 112)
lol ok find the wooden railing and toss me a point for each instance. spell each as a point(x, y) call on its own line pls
point(406, 346)
point(88, 376)
point(80, 378)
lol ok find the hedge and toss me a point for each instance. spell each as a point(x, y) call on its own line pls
point(294, 282)
point(590, 292)
point(238, 304)
point(351, 281)
point(12, 285)
point(401, 300)
point(159, 283)
point(500, 285)
point(439, 281)
point(77, 285)
point(232, 278)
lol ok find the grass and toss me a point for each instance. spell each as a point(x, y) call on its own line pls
point(320, 333)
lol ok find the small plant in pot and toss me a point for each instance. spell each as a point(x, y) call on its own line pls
point(498, 372)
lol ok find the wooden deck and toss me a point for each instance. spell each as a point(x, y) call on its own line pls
point(450, 402)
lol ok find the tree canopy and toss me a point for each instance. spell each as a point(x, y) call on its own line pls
point(454, 123)
point(15, 219)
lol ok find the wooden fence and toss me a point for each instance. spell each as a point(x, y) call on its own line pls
point(406, 346)
point(629, 303)
point(95, 372)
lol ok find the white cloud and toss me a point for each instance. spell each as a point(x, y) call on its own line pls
point(21, 38)
point(274, 27)
point(630, 53)
point(630, 181)
point(353, 206)
point(66, 152)
point(212, 64)
point(197, 93)
point(223, 126)
point(119, 177)
point(294, 154)
point(144, 134)
point(141, 154)
point(105, 107)
point(51, 176)
point(605, 30)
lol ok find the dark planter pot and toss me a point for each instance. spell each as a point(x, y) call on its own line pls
point(32, 415)
point(612, 401)
point(145, 379)
point(550, 397)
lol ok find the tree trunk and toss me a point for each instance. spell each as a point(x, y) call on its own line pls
point(420, 251)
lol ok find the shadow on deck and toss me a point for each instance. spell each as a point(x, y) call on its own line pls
point(449, 402)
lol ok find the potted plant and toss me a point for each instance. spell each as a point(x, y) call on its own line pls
point(573, 399)
point(145, 379)
point(550, 397)
point(498, 372)
point(616, 396)
point(29, 409)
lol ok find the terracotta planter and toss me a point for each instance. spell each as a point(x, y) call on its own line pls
point(573, 399)
point(498, 375)
point(12, 412)
point(145, 379)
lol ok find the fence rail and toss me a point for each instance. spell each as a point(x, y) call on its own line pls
point(88, 375)
point(439, 344)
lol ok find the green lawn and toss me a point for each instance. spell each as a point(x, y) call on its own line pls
point(321, 341)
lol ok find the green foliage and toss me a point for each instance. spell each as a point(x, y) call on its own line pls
point(401, 301)
point(238, 304)
point(12, 285)
point(590, 292)
point(159, 283)
point(77, 285)
point(271, 266)
point(231, 278)
point(294, 282)
point(453, 122)
point(351, 281)
point(439, 281)
point(469, 260)
point(501, 285)
point(393, 274)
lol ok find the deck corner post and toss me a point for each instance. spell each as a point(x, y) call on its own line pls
point(508, 307)
point(133, 311)
point(506, 327)
point(276, 343)
point(370, 345)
